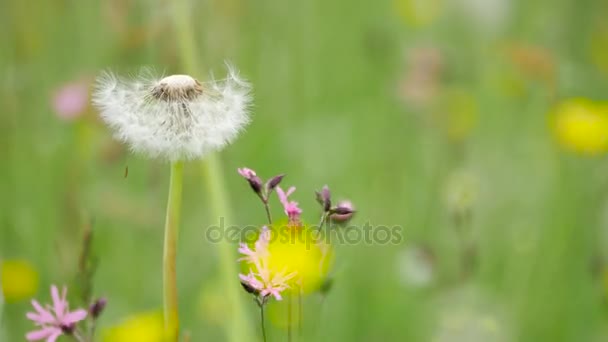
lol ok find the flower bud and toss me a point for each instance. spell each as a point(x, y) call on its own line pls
point(254, 181)
point(250, 289)
point(273, 182)
point(343, 212)
point(324, 198)
point(97, 307)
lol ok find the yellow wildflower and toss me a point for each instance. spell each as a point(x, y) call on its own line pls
point(581, 125)
point(19, 280)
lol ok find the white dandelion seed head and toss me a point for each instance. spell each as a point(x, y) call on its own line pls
point(176, 117)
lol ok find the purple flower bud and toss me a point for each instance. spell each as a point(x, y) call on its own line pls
point(249, 288)
point(326, 198)
point(343, 212)
point(97, 307)
point(273, 182)
point(254, 181)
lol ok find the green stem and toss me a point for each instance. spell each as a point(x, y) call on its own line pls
point(170, 251)
point(236, 325)
point(262, 322)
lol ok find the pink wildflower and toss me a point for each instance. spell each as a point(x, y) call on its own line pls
point(71, 100)
point(291, 207)
point(260, 277)
point(53, 321)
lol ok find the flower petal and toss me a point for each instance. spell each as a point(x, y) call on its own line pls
point(43, 315)
point(54, 337)
point(74, 316)
point(58, 302)
point(41, 334)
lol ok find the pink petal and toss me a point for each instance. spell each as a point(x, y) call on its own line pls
point(58, 302)
point(41, 334)
point(54, 337)
point(43, 316)
point(74, 316)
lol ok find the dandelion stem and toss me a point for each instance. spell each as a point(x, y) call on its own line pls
point(170, 251)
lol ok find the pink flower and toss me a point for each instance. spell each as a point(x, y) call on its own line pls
point(260, 278)
point(53, 321)
point(71, 100)
point(290, 207)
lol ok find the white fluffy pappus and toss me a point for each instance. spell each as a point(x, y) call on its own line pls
point(176, 117)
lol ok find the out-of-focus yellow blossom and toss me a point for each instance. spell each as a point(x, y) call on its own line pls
point(419, 13)
point(581, 125)
point(297, 249)
point(143, 327)
point(19, 280)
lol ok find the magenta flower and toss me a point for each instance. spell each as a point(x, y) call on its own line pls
point(53, 321)
point(290, 207)
point(71, 100)
point(260, 278)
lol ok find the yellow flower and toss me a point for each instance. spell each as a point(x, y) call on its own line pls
point(143, 327)
point(581, 125)
point(297, 249)
point(19, 280)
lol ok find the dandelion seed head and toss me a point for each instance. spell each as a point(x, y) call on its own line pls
point(175, 117)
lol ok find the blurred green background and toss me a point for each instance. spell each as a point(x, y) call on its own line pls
point(434, 115)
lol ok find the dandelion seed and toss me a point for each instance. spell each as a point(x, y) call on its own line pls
point(176, 117)
point(56, 320)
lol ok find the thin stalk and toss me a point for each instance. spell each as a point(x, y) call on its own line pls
point(300, 312)
point(262, 322)
point(289, 317)
point(170, 251)
point(267, 208)
point(237, 327)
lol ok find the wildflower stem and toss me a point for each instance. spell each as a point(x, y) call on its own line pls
point(289, 317)
point(262, 322)
point(236, 326)
point(268, 215)
point(170, 251)
point(300, 312)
